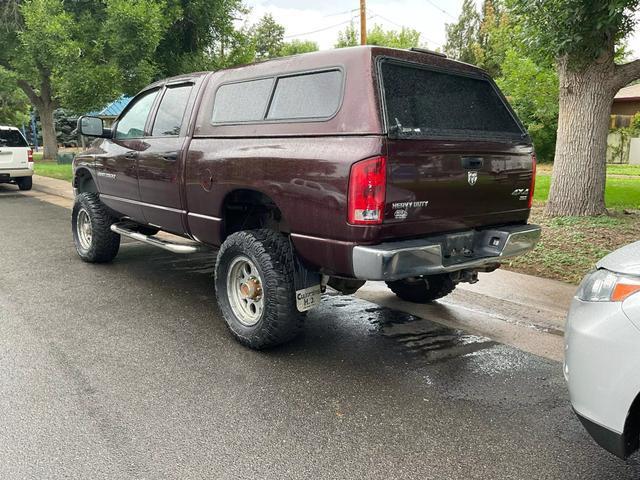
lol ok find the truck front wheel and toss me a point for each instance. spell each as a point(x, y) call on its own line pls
point(91, 225)
point(423, 289)
point(255, 288)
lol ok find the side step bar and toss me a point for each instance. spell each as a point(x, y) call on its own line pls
point(125, 230)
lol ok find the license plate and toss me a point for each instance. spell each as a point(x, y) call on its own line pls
point(308, 298)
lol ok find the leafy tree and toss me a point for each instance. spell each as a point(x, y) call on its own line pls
point(237, 48)
point(295, 47)
point(14, 105)
point(496, 36)
point(532, 91)
point(268, 37)
point(80, 54)
point(462, 37)
point(581, 37)
point(349, 37)
point(202, 36)
point(403, 38)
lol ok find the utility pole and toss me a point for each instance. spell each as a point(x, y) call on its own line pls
point(363, 22)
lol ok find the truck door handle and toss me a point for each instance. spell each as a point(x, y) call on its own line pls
point(170, 157)
point(131, 154)
point(470, 163)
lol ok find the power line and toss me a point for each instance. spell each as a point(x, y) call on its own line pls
point(341, 13)
point(441, 9)
point(325, 28)
point(438, 44)
point(320, 29)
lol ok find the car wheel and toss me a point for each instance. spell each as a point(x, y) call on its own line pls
point(255, 288)
point(24, 183)
point(91, 222)
point(423, 289)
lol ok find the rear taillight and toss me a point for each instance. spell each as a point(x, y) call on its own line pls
point(533, 179)
point(30, 156)
point(367, 185)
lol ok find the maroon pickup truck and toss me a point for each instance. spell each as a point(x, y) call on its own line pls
point(328, 168)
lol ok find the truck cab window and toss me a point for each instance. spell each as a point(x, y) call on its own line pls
point(171, 112)
point(131, 125)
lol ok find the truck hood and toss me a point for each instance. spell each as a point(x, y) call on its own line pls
point(624, 260)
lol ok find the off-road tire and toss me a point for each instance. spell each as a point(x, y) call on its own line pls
point(271, 253)
point(424, 289)
point(24, 183)
point(104, 243)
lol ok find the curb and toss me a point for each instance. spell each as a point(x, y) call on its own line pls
point(53, 186)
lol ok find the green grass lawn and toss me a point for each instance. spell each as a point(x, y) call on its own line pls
point(623, 169)
point(621, 193)
point(570, 246)
point(53, 170)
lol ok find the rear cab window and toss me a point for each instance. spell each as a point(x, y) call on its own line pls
point(420, 101)
point(12, 139)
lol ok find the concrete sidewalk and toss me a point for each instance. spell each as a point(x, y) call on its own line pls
point(53, 186)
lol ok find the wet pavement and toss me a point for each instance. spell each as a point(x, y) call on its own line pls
point(127, 371)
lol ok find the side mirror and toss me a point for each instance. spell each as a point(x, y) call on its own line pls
point(92, 127)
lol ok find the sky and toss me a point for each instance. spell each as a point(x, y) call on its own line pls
point(321, 20)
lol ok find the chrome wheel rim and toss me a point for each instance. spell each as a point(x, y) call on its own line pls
point(244, 290)
point(84, 230)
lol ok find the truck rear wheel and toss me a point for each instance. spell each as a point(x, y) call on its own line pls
point(255, 288)
point(24, 183)
point(423, 289)
point(92, 235)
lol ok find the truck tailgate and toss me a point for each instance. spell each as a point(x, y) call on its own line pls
point(440, 186)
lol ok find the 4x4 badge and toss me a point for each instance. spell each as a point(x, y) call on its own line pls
point(472, 177)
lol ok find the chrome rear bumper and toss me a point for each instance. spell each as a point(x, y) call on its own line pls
point(443, 253)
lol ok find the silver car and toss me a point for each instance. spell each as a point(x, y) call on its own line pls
point(602, 358)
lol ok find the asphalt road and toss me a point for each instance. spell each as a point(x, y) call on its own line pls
point(127, 371)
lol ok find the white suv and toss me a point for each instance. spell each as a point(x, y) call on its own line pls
point(16, 158)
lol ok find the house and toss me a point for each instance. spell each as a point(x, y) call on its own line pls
point(625, 105)
point(108, 114)
point(112, 110)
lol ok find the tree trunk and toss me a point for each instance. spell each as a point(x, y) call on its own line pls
point(49, 137)
point(43, 102)
point(579, 170)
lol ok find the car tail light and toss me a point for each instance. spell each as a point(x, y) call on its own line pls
point(367, 185)
point(30, 156)
point(532, 187)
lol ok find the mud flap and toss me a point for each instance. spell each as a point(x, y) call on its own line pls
point(307, 284)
